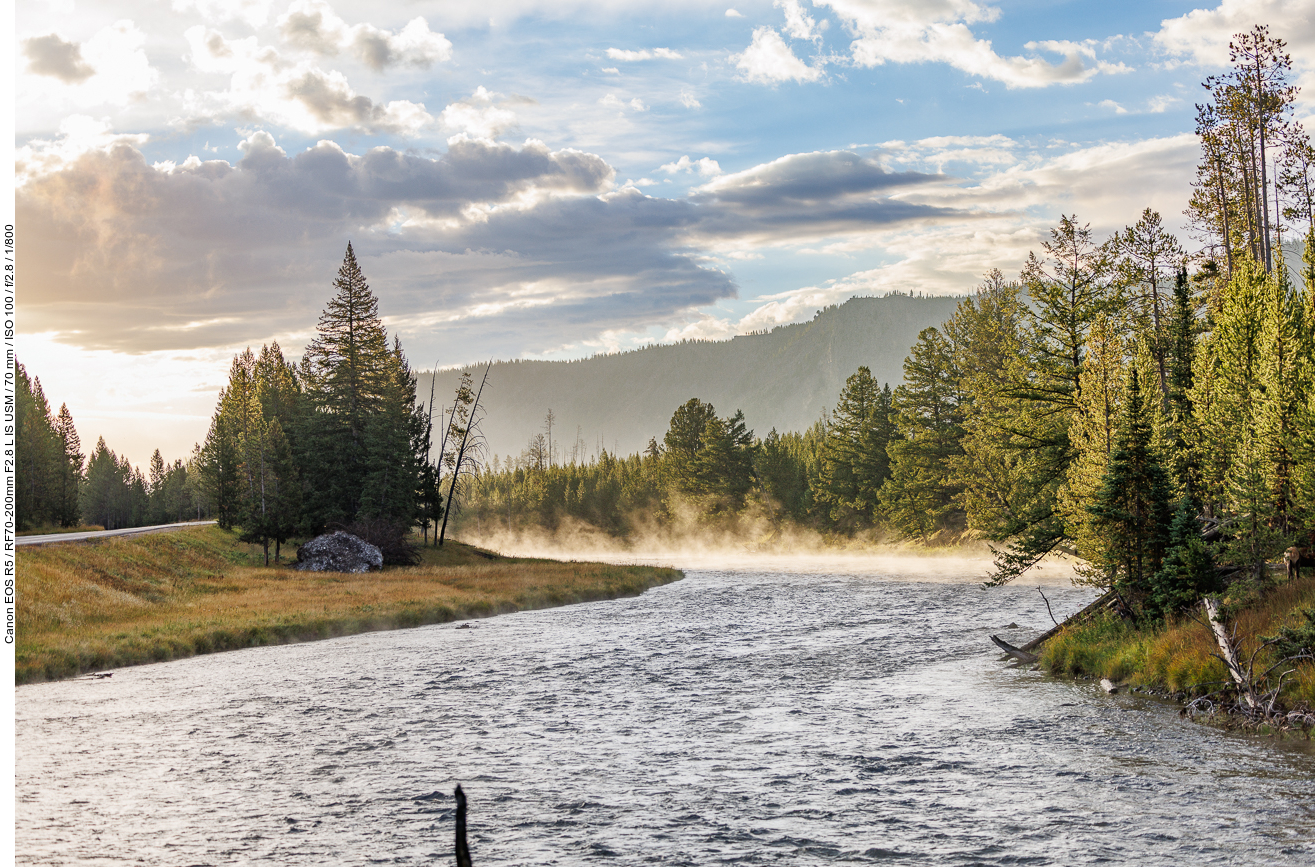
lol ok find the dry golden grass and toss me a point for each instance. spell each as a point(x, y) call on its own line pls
point(1179, 656)
point(84, 607)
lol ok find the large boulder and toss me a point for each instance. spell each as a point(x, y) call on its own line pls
point(338, 552)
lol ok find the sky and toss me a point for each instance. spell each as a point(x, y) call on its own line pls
point(534, 179)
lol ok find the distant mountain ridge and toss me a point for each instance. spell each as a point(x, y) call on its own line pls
point(784, 378)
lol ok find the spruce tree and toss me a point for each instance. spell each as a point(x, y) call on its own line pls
point(1188, 571)
point(854, 460)
point(346, 372)
point(39, 454)
point(1131, 509)
point(68, 511)
point(919, 497)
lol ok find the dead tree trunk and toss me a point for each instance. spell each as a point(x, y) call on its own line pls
point(461, 455)
point(1228, 653)
point(463, 851)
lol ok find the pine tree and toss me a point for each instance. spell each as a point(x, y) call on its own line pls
point(1226, 380)
point(39, 454)
point(1094, 433)
point(1181, 413)
point(1131, 509)
point(68, 510)
point(854, 460)
point(919, 497)
point(1188, 571)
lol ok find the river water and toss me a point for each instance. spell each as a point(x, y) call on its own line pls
point(751, 714)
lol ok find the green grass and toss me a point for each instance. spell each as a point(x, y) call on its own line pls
point(1178, 656)
point(85, 607)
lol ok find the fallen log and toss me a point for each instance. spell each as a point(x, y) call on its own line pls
point(1100, 603)
point(1016, 652)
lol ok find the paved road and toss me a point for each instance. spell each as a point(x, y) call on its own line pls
point(50, 538)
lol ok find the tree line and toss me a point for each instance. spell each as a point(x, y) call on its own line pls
point(335, 440)
point(58, 486)
point(1147, 410)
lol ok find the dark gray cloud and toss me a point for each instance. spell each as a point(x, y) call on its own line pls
point(486, 249)
point(50, 55)
point(807, 196)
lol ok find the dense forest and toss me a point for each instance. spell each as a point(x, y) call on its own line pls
point(1144, 408)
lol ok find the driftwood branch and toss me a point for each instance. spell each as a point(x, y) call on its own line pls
point(1016, 652)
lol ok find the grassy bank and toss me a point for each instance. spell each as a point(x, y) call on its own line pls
point(84, 607)
point(1177, 657)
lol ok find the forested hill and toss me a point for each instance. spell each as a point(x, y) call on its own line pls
point(784, 378)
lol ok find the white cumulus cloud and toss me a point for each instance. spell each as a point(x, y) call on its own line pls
point(911, 31)
point(769, 60)
point(479, 115)
point(312, 25)
point(704, 166)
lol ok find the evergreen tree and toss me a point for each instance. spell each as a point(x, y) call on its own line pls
point(855, 463)
point(68, 510)
point(1132, 506)
point(39, 454)
point(1041, 392)
point(1226, 380)
point(1188, 571)
point(346, 374)
point(1145, 256)
point(919, 497)
point(683, 441)
point(782, 476)
point(723, 468)
point(1181, 414)
point(1094, 434)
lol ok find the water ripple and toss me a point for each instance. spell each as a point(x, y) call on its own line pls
point(740, 716)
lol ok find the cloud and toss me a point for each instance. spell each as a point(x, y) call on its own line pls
point(265, 86)
point(78, 134)
point(768, 60)
point(254, 13)
point(50, 55)
point(798, 24)
point(479, 115)
point(644, 54)
point(732, 13)
point(688, 99)
point(487, 249)
point(704, 166)
point(1202, 35)
point(912, 31)
point(312, 25)
point(611, 100)
point(1109, 103)
point(110, 68)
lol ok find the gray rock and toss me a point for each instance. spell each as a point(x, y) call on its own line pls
point(338, 552)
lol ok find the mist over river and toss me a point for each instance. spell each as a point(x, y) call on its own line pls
point(752, 713)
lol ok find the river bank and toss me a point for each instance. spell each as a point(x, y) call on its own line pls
point(1178, 659)
point(86, 607)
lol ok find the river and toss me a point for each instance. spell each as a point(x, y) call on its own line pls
point(752, 713)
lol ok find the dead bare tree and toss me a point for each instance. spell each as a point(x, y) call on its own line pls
point(464, 457)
